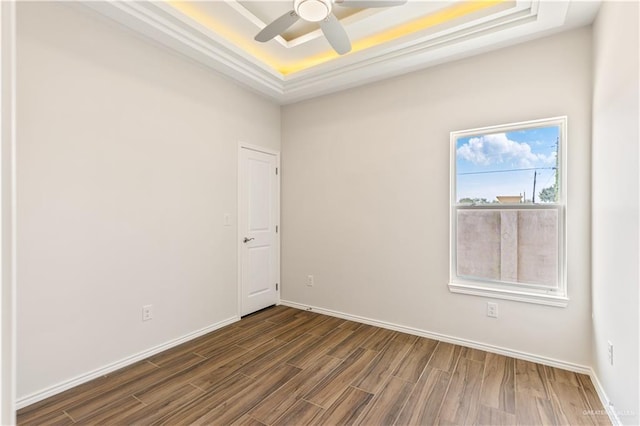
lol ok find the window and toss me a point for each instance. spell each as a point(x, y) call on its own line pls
point(507, 211)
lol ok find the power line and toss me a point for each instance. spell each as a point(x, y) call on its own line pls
point(508, 170)
point(549, 180)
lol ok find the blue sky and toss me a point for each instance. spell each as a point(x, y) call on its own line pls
point(502, 157)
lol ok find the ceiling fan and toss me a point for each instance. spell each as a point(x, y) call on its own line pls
point(320, 11)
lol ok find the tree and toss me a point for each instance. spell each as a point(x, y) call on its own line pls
point(549, 194)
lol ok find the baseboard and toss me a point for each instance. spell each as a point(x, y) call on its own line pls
point(615, 420)
point(83, 378)
point(611, 412)
point(445, 338)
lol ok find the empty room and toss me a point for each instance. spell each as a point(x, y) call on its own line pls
point(328, 212)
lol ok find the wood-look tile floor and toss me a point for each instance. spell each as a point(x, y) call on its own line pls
point(283, 366)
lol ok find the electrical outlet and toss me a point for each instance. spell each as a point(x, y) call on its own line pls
point(492, 309)
point(227, 219)
point(147, 312)
point(610, 352)
point(309, 280)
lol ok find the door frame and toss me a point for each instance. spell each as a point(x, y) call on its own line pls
point(240, 233)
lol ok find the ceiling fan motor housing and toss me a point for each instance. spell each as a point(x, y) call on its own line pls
point(312, 10)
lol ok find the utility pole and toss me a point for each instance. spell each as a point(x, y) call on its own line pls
point(533, 198)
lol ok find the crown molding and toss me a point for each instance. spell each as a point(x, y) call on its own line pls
point(160, 23)
point(152, 20)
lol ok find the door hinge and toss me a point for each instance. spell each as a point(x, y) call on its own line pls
point(276, 229)
point(276, 170)
point(276, 286)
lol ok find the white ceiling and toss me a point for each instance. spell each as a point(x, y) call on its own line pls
point(386, 41)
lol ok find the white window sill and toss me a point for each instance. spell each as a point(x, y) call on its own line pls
point(560, 301)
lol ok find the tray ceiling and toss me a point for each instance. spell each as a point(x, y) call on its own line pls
point(386, 41)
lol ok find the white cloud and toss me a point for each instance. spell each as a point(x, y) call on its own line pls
point(497, 148)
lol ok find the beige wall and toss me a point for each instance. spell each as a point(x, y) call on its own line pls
point(7, 256)
point(366, 191)
point(616, 202)
point(126, 165)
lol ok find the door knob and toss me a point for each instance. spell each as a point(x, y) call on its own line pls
point(246, 240)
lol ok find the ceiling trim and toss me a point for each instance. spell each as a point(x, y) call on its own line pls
point(163, 25)
point(152, 20)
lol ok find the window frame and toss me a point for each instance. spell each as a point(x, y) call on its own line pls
point(523, 292)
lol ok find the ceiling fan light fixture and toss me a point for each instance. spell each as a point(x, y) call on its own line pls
point(312, 10)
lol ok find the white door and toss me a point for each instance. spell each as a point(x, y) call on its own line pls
point(258, 211)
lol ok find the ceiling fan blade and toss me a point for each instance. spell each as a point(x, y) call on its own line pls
point(335, 34)
point(365, 4)
point(277, 27)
